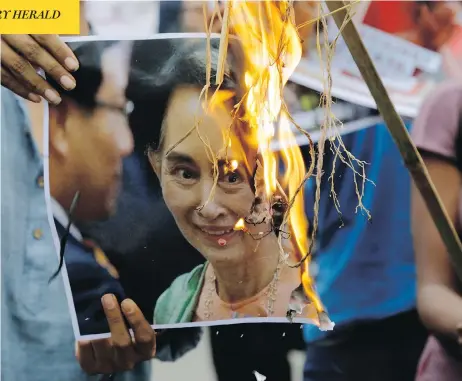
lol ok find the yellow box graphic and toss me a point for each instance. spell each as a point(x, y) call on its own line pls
point(39, 17)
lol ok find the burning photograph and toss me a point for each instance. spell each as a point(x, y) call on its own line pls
point(175, 134)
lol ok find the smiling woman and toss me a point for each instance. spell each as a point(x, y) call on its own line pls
point(206, 171)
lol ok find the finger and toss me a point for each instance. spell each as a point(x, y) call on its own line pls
point(121, 339)
point(104, 355)
point(86, 357)
point(25, 74)
point(58, 49)
point(11, 83)
point(145, 337)
point(459, 329)
point(27, 47)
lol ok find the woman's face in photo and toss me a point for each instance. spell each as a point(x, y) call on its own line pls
point(187, 176)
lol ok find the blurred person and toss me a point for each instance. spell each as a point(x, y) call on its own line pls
point(430, 24)
point(192, 17)
point(35, 316)
point(88, 138)
point(435, 24)
point(116, 17)
point(169, 16)
point(437, 134)
point(36, 325)
point(22, 146)
point(36, 312)
point(364, 270)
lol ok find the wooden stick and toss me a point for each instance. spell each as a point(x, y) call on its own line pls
point(223, 44)
point(411, 156)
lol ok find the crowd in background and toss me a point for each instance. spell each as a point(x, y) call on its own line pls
point(387, 282)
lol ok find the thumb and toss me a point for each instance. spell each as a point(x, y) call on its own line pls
point(459, 333)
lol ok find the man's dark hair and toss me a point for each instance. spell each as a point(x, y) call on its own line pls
point(89, 76)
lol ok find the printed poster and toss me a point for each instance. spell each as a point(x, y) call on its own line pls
point(128, 183)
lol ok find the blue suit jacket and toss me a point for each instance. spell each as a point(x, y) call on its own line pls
point(89, 282)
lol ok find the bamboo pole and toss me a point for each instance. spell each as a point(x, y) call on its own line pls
point(224, 40)
point(411, 156)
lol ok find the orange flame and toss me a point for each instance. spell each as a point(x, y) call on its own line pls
point(272, 50)
point(233, 165)
point(240, 225)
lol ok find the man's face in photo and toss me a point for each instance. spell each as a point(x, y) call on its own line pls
point(93, 141)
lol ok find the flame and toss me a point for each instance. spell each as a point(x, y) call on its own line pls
point(240, 225)
point(233, 165)
point(272, 50)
